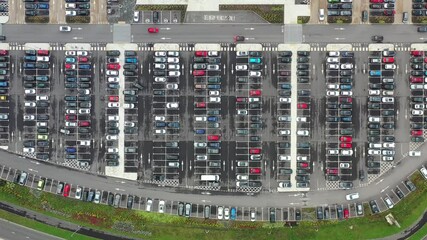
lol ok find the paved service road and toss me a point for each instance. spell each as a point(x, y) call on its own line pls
point(214, 33)
point(314, 198)
point(12, 231)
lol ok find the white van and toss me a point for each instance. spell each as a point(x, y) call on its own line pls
point(209, 177)
point(321, 14)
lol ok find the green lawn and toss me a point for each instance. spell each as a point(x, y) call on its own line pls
point(41, 227)
point(162, 226)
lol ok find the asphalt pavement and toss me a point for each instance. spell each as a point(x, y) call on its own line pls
point(13, 231)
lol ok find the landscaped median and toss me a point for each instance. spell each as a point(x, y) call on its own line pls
point(140, 224)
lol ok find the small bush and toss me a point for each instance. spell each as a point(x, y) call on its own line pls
point(303, 19)
point(77, 19)
point(37, 19)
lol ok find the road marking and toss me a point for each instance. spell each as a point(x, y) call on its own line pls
point(384, 189)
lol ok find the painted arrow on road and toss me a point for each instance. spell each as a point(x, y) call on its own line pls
point(250, 29)
point(165, 29)
point(164, 38)
point(75, 38)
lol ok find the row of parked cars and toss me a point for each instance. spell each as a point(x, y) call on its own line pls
point(36, 8)
point(36, 104)
point(78, 105)
point(4, 93)
point(381, 106)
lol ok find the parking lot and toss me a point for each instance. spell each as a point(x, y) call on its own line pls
point(214, 119)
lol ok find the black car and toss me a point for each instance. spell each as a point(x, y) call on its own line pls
point(374, 207)
point(303, 66)
point(303, 60)
point(272, 215)
point(333, 178)
point(346, 185)
point(304, 73)
point(110, 200)
point(239, 38)
point(30, 13)
point(297, 214)
point(399, 193)
point(377, 38)
point(113, 53)
point(303, 80)
point(180, 209)
point(411, 186)
point(285, 54)
point(130, 202)
point(29, 143)
point(255, 66)
point(156, 16)
point(303, 53)
point(319, 213)
point(373, 164)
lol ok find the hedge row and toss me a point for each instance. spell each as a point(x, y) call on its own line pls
point(37, 19)
point(77, 19)
point(271, 13)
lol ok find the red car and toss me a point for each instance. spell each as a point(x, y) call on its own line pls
point(43, 52)
point(416, 79)
point(3, 52)
point(241, 99)
point(83, 59)
point(68, 66)
point(71, 117)
point(417, 132)
point(302, 165)
point(255, 92)
point(113, 66)
point(200, 105)
point(332, 171)
point(238, 38)
point(255, 170)
point(113, 98)
point(389, 12)
point(416, 53)
point(84, 123)
point(425, 60)
point(201, 53)
point(346, 139)
point(153, 30)
point(377, 1)
point(302, 105)
point(199, 72)
point(346, 213)
point(213, 137)
point(346, 100)
point(66, 190)
point(255, 151)
point(388, 60)
point(345, 145)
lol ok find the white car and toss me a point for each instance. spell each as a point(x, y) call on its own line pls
point(160, 131)
point(389, 145)
point(70, 53)
point(213, 93)
point(28, 150)
point(352, 196)
point(82, 53)
point(387, 99)
point(160, 54)
point(213, 54)
point(220, 213)
point(333, 86)
point(285, 100)
point(148, 205)
point(254, 74)
point(303, 133)
point(159, 79)
point(161, 206)
point(70, 5)
point(390, 66)
point(42, 98)
point(333, 152)
point(346, 93)
point(135, 16)
point(85, 143)
point(65, 28)
point(374, 152)
point(113, 104)
point(284, 158)
point(333, 66)
point(30, 91)
point(332, 93)
point(241, 67)
point(419, 106)
point(201, 119)
point(215, 99)
point(415, 153)
point(172, 105)
point(29, 104)
point(159, 66)
point(113, 150)
point(347, 66)
point(200, 144)
point(112, 137)
point(70, 13)
point(112, 73)
point(226, 213)
point(78, 193)
point(174, 73)
point(301, 119)
point(332, 60)
point(41, 124)
point(42, 59)
point(346, 152)
point(254, 99)
point(374, 92)
point(242, 112)
point(333, 54)
point(113, 79)
point(84, 111)
point(388, 158)
point(388, 202)
point(423, 171)
point(242, 53)
point(242, 177)
point(29, 117)
point(171, 86)
point(302, 158)
point(417, 112)
point(173, 60)
point(388, 93)
point(71, 111)
point(284, 132)
point(173, 67)
point(374, 119)
point(345, 165)
point(159, 118)
point(71, 124)
point(113, 118)
point(128, 105)
point(173, 54)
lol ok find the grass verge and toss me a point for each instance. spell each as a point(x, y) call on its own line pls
point(270, 13)
point(145, 225)
point(40, 226)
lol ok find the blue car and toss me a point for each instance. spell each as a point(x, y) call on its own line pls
point(285, 86)
point(214, 144)
point(70, 149)
point(214, 86)
point(173, 124)
point(346, 119)
point(71, 79)
point(160, 124)
point(85, 66)
point(254, 60)
point(200, 131)
point(43, 6)
point(131, 60)
point(233, 213)
point(375, 73)
point(30, 58)
point(67, 59)
point(212, 119)
point(345, 86)
point(4, 84)
point(29, 65)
